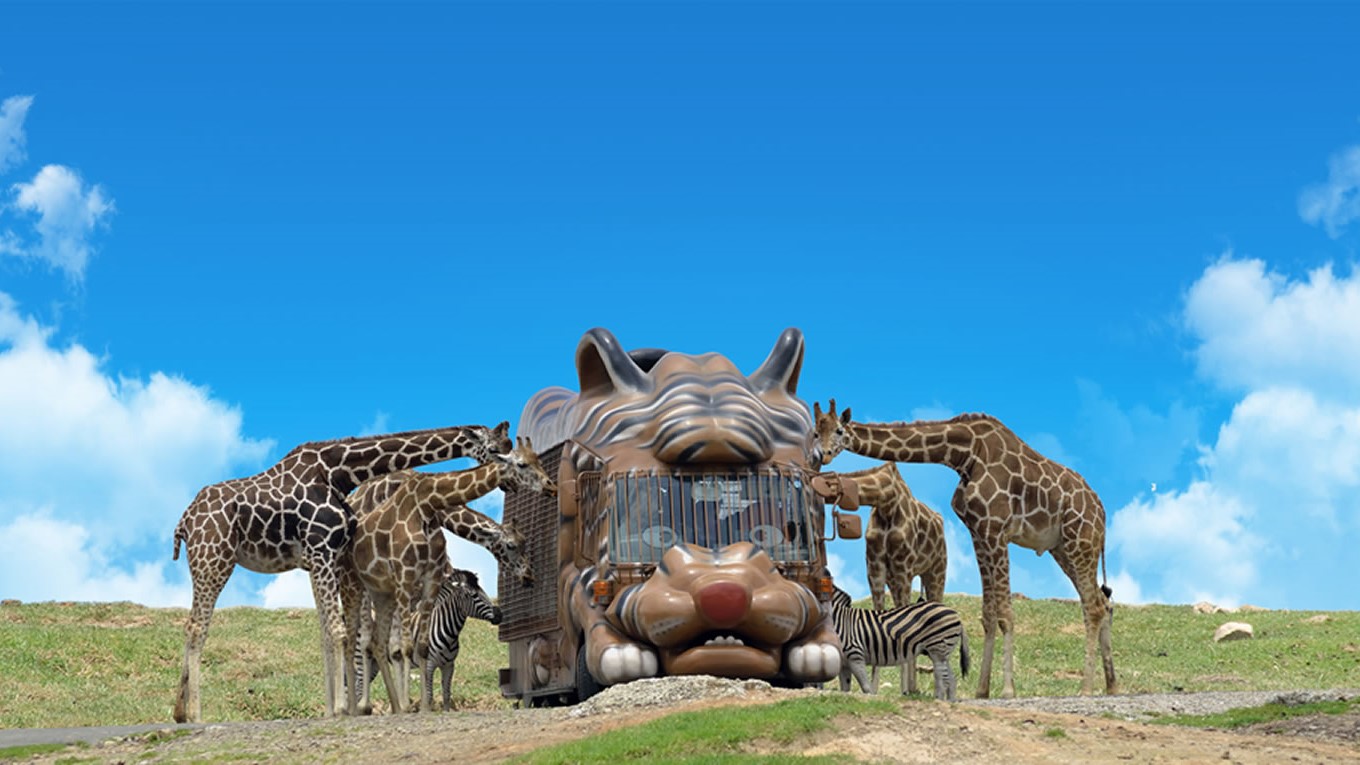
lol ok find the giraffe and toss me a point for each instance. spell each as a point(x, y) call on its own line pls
point(400, 556)
point(503, 541)
point(294, 515)
point(905, 540)
point(1007, 493)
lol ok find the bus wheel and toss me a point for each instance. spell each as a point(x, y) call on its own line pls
point(586, 684)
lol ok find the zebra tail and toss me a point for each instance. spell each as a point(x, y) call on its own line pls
point(963, 653)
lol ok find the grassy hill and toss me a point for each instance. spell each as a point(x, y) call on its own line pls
point(75, 664)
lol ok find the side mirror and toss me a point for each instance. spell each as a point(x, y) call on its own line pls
point(848, 526)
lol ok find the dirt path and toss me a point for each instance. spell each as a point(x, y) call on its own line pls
point(924, 732)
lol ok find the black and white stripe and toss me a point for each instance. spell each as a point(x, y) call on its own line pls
point(460, 597)
point(897, 636)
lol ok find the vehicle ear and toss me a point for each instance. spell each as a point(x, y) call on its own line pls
point(603, 367)
point(782, 366)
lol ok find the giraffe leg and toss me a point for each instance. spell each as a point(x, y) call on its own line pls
point(330, 614)
point(994, 566)
point(901, 595)
point(382, 630)
point(877, 573)
point(418, 626)
point(209, 576)
point(351, 600)
point(1096, 615)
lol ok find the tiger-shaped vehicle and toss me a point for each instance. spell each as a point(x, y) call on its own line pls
point(689, 527)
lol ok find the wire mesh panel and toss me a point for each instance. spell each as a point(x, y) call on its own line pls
point(527, 611)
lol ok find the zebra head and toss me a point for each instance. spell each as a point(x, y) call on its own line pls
point(474, 600)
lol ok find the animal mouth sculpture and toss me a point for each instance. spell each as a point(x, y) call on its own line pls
point(725, 612)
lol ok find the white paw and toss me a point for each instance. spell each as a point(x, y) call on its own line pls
point(815, 661)
point(621, 663)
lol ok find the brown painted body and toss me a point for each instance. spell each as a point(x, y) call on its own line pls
point(689, 538)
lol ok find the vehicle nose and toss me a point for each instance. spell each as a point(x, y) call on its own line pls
point(724, 604)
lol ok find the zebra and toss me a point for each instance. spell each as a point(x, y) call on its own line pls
point(897, 636)
point(460, 596)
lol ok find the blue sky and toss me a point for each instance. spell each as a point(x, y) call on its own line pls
point(1130, 232)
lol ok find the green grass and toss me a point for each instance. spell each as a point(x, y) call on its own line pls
point(717, 735)
point(1239, 718)
point(15, 753)
point(75, 664)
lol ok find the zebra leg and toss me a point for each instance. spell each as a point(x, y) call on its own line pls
point(446, 683)
point(364, 663)
point(857, 669)
point(946, 685)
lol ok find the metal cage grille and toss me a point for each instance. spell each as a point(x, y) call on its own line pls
point(647, 511)
point(527, 611)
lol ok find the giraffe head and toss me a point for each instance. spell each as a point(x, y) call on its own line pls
point(513, 556)
point(833, 437)
point(521, 470)
point(488, 441)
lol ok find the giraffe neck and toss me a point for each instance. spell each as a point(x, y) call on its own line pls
point(438, 493)
point(936, 442)
point(355, 460)
point(472, 526)
point(875, 484)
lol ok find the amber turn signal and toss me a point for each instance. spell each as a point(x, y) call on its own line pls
point(603, 590)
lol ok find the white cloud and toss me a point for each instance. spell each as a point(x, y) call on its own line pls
point(291, 589)
point(13, 110)
point(42, 559)
point(853, 582)
point(1259, 329)
point(1335, 203)
point(1294, 456)
point(1188, 545)
point(93, 466)
point(68, 212)
point(1276, 509)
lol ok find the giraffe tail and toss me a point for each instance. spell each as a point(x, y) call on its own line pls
point(179, 537)
point(1105, 587)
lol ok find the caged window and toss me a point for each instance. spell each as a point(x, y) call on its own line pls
point(653, 511)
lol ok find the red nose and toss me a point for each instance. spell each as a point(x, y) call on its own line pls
point(724, 604)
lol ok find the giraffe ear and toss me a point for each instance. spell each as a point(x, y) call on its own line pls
point(603, 367)
point(502, 430)
point(782, 366)
point(845, 416)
